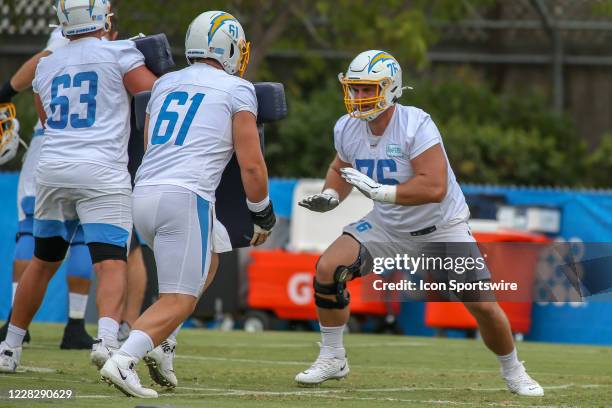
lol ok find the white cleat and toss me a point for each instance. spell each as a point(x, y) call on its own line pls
point(159, 360)
point(520, 383)
point(119, 371)
point(324, 368)
point(9, 358)
point(101, 351)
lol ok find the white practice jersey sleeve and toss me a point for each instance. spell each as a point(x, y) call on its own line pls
point(56, 40)
point(88, 112)
point(190, 128)
point(427, 135)
point(387, 159)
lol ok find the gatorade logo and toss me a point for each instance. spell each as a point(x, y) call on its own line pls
point(299, 288)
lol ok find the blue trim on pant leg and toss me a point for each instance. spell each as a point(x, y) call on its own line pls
point(105, 234)
point(203, 218)
point(27, 204)
point(24, 248)
point(26, 226)
point(55, 228)
point(78, 263)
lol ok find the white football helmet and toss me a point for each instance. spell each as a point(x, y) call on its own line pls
point(218, 35)
point(83, 16)
point(9, 133)
point(372, 67)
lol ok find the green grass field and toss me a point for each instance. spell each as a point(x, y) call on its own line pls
point(217, 369)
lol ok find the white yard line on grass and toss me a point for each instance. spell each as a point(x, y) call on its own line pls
point(54, 379)
point(323, 391)
point(380, 390)
point(349, 344)
point(368, 366)
point(23, 369)
point(319, 394)
point(331, 393)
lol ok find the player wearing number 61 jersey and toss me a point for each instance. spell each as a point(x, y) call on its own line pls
point(82, 95)
point(196, 119)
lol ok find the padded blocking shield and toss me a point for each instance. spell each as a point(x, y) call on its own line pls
point(157, 52)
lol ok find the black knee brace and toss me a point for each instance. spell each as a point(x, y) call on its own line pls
point(337, 289)
point(356, 269)
point(103, 252)
point(342, 275)
point(52, 249)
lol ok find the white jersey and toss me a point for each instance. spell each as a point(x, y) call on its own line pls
point(387, 158)
point(56, 40)
point(190, 128)
point(88, 113)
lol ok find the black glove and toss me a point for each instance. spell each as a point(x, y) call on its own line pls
point(264, 221)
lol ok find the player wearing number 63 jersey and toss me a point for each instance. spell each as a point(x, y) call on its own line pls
point(394, 155)
point(196, 119)
point(82, 95)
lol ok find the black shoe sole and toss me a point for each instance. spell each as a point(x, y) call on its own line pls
point(154, 373)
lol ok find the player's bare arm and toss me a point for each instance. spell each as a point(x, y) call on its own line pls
point(429, 183)
point(254, 174)
point(335, 189)
point(22, 79)
point(334, 180)
point(146, 132)
point(250, 159)
point(139, 79)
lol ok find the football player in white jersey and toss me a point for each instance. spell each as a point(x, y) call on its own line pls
point(395, 156)
point(196, 119)
point(82, 95)
point(78, 261)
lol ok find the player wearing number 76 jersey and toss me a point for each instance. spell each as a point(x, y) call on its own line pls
point(196, 119)
point(82, 92)
point(394, 155)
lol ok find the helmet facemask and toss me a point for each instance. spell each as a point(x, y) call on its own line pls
point(9, 138)
point(7, 115)
point(244, 48)
point(369, 108)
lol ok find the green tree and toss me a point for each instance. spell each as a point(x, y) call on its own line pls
point(293, 27)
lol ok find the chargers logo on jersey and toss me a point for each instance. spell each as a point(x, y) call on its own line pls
point(217, 22)
point(381, 56)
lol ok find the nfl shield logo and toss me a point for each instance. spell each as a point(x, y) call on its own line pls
point(394, 150)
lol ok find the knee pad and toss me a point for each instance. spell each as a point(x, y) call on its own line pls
point(342, 275)
point(104, 252)
point(337, 289)
point(24, 247)
point(52, 249)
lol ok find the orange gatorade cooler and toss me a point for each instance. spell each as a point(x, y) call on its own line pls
point(281, 282)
